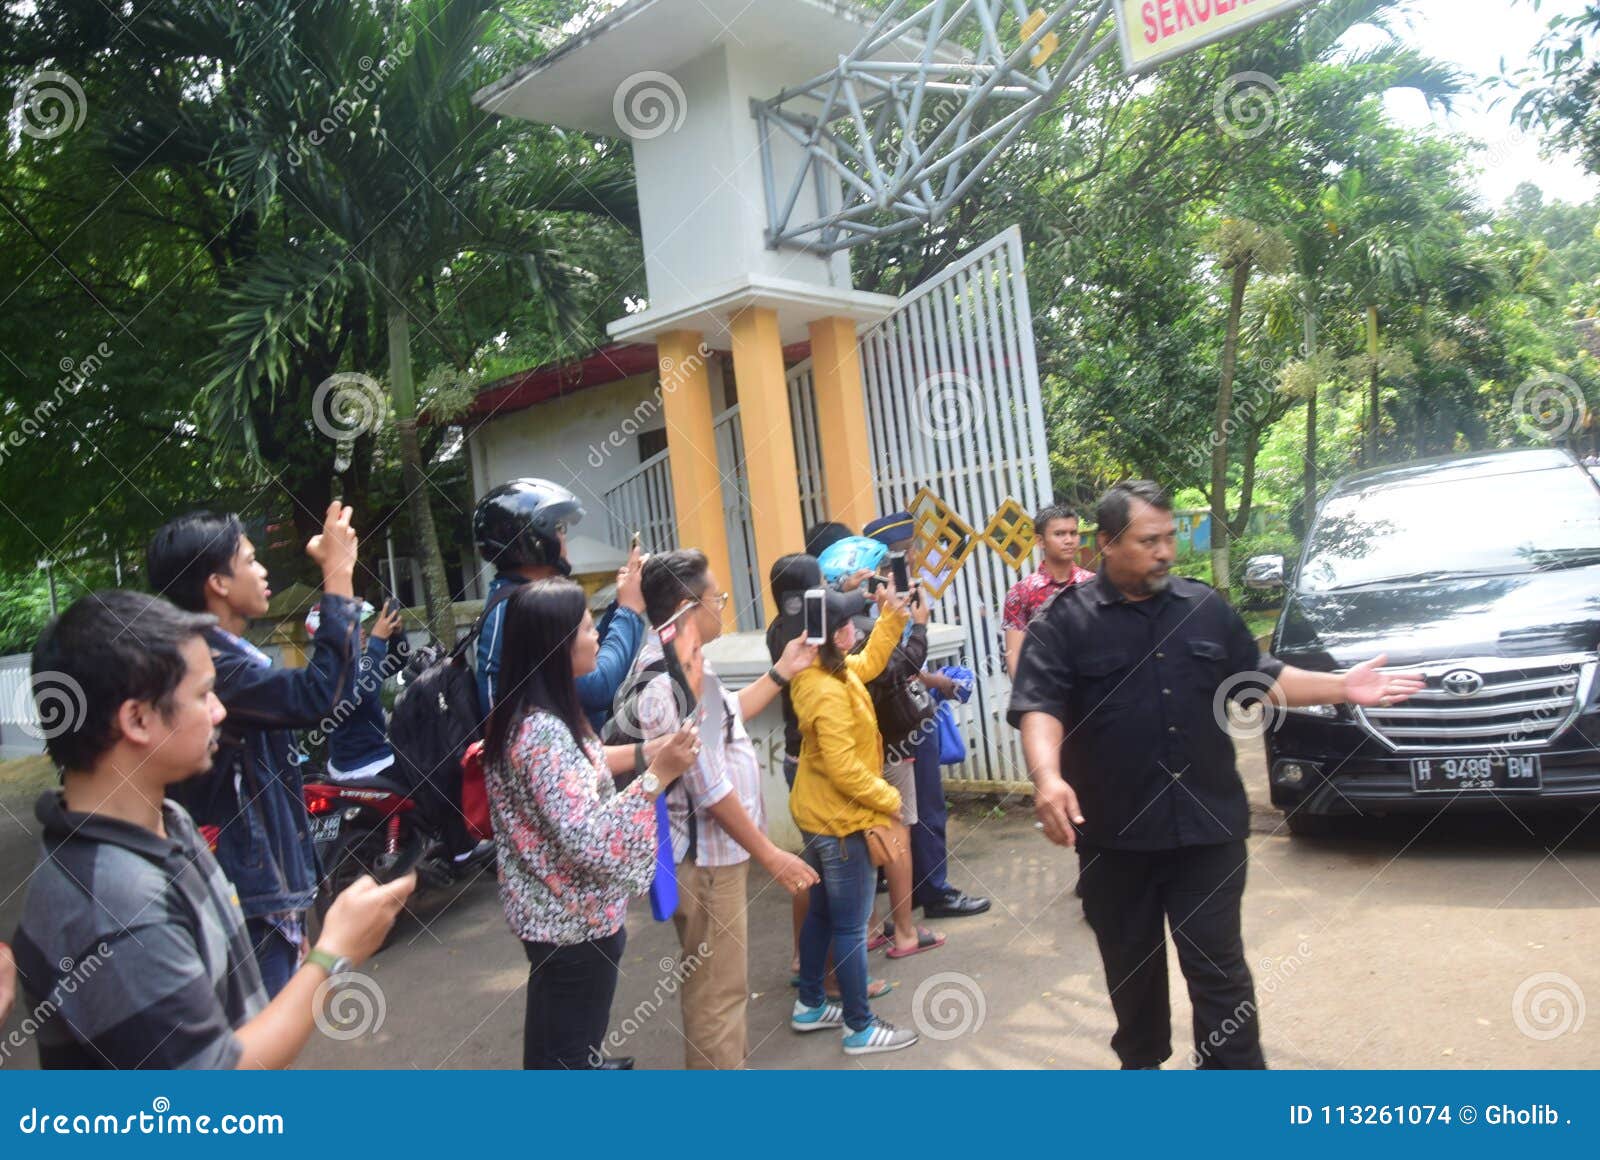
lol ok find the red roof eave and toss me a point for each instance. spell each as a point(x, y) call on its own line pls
point(608, 364)
point(528, 388)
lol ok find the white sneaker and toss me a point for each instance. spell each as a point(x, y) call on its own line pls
point(877, 1036)
point(816, 1018)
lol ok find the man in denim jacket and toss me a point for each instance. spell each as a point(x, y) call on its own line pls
point(252, 797)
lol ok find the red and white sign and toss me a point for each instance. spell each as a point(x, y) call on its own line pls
point(1153, 31)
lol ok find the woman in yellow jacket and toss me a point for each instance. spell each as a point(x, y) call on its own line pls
point(838, 793)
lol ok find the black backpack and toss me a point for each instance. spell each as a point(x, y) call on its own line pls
point(437, 715)
point(903, 706)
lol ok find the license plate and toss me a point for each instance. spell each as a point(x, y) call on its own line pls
point(1477, 771)
point(325, 829)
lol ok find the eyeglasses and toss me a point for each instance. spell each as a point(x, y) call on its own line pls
point(717, 602)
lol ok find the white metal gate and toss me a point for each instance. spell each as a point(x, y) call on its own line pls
point(953, 405)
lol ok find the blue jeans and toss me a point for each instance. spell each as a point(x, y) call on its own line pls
point(840, 906)
point(277, 957)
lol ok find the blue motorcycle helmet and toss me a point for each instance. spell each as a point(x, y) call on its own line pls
point(851, 555)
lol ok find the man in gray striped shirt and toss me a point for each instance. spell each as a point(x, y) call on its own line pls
point(132, 949)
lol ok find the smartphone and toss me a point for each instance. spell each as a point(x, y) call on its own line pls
point(816, 610)
point(873, 583)
point(900, 571)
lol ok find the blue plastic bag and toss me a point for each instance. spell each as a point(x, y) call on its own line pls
point(952, 746)
point(664, 886)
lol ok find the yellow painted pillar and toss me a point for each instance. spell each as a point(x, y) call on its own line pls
point(696, 482)
point(842, 422)
point(773, 476)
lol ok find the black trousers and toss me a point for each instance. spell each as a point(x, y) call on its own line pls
point(570, 989)
point(1129, 898)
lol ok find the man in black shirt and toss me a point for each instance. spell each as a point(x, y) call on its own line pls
point(1121, 695)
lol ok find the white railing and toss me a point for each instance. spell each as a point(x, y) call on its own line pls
point(744, 585)
point(642, 502)
point(19, 716)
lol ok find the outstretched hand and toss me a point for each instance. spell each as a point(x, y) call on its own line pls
point(1366, 684)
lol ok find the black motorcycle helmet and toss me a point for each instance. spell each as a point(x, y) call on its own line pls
point(519, 524)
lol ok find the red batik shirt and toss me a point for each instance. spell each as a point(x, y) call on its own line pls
point(1031, 594)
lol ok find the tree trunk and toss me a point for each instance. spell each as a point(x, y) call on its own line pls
point(436, 588)
point(1247, 483)
point(1220, 573)
point(1372, 387)
point(1310, 501)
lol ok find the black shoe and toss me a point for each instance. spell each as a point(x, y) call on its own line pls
point(621, 1063)
point(956, 905)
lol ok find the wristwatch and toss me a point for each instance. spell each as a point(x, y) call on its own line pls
point(650, 782)
point(330, 962)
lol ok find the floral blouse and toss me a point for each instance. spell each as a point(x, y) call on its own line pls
point(572, 849)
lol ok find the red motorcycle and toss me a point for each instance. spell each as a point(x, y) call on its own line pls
point(370, 826)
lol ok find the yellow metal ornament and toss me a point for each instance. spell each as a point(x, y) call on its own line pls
point(941, 541)
point(1011, 533)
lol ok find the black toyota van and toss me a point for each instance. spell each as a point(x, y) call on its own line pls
point(1481, 572)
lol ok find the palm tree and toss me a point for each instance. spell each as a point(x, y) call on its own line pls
point(408, 178)
point(1242, 247)
point(342, 135)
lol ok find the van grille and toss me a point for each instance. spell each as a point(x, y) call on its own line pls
point(1516, 704)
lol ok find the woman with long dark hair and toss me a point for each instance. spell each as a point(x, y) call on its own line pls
point(571, 847)
point(839, 794)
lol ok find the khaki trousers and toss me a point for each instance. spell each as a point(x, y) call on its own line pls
point(711, 922)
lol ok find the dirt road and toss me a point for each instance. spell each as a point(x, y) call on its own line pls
point(1464, 943)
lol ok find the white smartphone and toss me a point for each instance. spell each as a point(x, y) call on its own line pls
point(816, 615)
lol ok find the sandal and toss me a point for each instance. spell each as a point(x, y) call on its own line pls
point(882, 938)
point(876, 989)
point(926, 941)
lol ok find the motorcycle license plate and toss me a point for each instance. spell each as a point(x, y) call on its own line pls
point(325, 829)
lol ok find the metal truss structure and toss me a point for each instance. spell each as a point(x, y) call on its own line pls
point(904, 140)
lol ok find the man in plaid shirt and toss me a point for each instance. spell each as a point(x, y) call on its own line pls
point(1057, 530)
point(722, 792)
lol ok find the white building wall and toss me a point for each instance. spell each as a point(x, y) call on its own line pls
point(587, 441)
